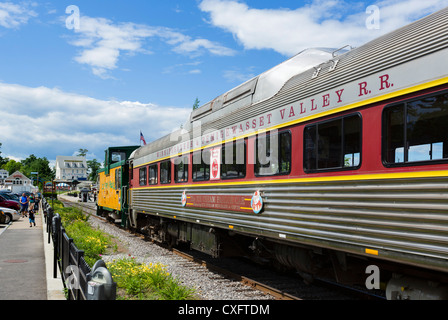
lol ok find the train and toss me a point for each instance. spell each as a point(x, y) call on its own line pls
point(113, 184)
point(333, 164)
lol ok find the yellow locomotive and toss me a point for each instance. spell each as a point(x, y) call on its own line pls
point(113, 184)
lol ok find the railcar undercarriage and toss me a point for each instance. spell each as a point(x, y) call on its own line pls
point(395, 281)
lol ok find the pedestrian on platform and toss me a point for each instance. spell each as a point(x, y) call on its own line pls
point(32, 221)
point(31, 201)
point(24, 204)
point(36, 200)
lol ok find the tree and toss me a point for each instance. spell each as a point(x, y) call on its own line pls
point(196, 104)
point(82, 152)
point(94, 166)
point(12, 166)
point(40, 165)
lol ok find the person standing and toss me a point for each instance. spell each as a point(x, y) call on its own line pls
point(36, 201)
point(32, 221)
point(24, 204)
point(31, 201)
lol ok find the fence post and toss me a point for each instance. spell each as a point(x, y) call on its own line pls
point(55, 226)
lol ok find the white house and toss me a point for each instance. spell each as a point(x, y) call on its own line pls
point(69, 168)
point(18, 183)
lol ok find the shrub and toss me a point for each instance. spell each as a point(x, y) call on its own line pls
point(143, 281)
point(138, 281)
point(93, 242)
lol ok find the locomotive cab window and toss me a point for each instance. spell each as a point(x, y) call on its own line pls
point(165, 172)
point(142, 176)
point(233, 160)
point(415, 130)
point(117, 156)
point(181, 169)
point(333, 144)
point(273, 154)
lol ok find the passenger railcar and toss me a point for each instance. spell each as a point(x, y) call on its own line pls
point(328, 163)
point(113, 184)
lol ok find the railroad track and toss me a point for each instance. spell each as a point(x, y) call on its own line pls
point(279, 286)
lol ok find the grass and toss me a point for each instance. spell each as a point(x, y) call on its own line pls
point(135, 281)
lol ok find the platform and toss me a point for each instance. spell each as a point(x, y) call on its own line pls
point(26, 262)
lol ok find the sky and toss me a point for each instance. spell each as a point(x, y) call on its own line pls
point(92, 74)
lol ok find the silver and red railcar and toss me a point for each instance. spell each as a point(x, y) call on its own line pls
point(328, 163)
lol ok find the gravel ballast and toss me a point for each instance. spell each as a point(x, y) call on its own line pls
point(208, 285)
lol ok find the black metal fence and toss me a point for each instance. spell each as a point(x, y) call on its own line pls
point(74, 270)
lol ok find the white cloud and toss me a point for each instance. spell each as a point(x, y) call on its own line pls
point(13, 15)
point(194, 46)
point(319, 24)
point(236, 75)
point(102, 42)
point(50, 122)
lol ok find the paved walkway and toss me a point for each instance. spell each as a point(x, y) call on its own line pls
point(26, 263)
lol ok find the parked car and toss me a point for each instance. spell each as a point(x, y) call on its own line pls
point(10, 196)
point(4, 218)
point(9, 203)
point(12, 215)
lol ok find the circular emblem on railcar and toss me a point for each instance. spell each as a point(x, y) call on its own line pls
point(183, 199)
point(256, 202)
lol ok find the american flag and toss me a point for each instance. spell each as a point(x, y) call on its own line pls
point(142, 138)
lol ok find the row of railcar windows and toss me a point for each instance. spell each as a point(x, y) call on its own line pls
point(274, 158)
point(414, 132)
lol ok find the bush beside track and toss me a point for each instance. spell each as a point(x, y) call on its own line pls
point(135, 281)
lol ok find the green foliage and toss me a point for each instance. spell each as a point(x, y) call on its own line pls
point(34, 164)
point(82, 152)
point(30, 164)
point(42, 165)
point(92, 241)
point(147, 281)
point(135, 280)
point(94, 166)
point(196, 104)
point(12, 166)
point(49, 195)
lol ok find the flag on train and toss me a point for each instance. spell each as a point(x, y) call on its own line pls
point(142, 138)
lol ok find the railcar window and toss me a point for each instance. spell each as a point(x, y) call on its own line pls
point(181, 169)
point(334, 144)
point(142, 176)
point(233, 163)
point(152, 174)
point(273, 154)
point(165, 172)
point(415, 130)
point(201, 165)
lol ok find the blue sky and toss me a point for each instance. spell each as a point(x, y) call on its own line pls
point(140, 64)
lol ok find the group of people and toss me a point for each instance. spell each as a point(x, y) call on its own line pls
point(29, 206)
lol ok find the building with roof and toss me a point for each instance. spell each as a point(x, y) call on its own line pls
point(70, 168)
point(18, 183)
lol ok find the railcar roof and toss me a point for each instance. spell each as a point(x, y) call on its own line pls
point(292, 80)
